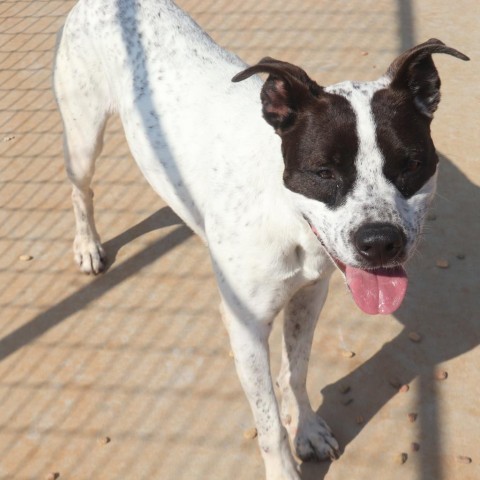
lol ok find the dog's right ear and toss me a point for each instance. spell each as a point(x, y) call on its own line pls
point(414, 72)
point(285, 91)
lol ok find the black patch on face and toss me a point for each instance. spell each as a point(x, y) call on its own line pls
point(319, 150)
point(403, 135)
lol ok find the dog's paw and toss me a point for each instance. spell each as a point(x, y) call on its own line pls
point(89, 255)
point(314, 440)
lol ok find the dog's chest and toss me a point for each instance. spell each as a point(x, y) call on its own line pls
point(314, 261)
point(306, 261)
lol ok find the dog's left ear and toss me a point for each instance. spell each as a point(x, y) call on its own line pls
point(415, 72)
point(285, 91)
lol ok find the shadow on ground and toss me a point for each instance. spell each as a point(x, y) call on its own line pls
point(103, 283)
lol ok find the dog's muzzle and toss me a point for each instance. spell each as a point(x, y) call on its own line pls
point(380, 244)
point(375, 289)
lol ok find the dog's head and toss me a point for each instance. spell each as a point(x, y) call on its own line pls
point(361, 163)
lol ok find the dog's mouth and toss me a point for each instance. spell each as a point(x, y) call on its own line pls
point(379, 290)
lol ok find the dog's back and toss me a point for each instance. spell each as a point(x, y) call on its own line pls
point(170, 83)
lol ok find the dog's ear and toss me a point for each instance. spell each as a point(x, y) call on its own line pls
point(415, 72)
point(285, 91)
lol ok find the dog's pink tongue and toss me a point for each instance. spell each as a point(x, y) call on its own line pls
point(377, 291)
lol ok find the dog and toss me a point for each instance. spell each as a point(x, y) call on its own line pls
point(330, 177)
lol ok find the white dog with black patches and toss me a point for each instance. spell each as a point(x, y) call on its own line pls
point(344, 178)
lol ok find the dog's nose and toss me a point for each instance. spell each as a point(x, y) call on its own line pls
point(379, 243)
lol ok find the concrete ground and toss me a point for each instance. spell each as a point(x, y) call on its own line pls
point(139, 354)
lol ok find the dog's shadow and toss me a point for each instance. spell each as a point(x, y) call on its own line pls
point(162, 218)
point(441, 305)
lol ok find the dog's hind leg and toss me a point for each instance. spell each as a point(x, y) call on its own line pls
point(310, 434)
point(83, 101)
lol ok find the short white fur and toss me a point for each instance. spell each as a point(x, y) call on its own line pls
point(201, 143)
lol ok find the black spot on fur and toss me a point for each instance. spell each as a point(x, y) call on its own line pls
point(403, 135)
point(319, 151)
point(318, 131)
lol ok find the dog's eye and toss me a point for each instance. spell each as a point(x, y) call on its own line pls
point(412, 165)
point(325, 174)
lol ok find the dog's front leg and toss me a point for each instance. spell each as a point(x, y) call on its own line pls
point(309, 433)
point(249, 341)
